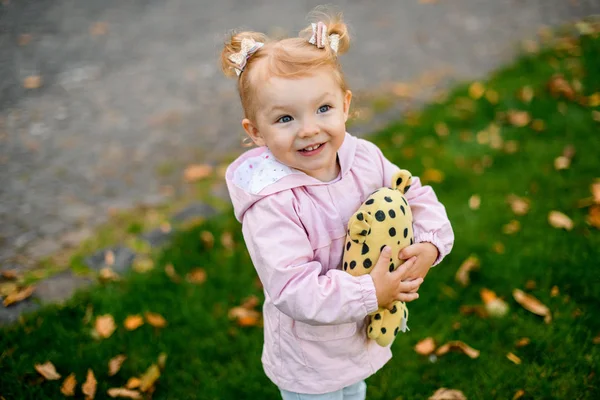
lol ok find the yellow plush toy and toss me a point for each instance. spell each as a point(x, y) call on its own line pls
point(383, 219)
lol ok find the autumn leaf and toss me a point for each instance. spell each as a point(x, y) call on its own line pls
point(108, 275)
point(250, 302)
point(149, 378)
point(495, 306)
point(513, 358)
point(518, 394)
point(432, 175)
point(89, 386)
point(498, 248)
point(492, 96)
point(538, 125)
point(133, 322)
point(143, 264)
point(447, 394)
point(518, 118)
point(32, 82)
point(560, 87)
point(133, 383)
point(478, 310)
point(512, 227)
point(197, 276)
point(105, 325)
point(560, 220)
point(244, 316)
point(441, 129)
point(476, 90)
point(596, 340)
point(207, 238)
point(19, 295)
point(470, 264)
point(519, 205)
point(123, 393)
point(161, 360)
point(227, 241)
point(458, 346)
point(561, 163)
point(554, 291)
point(197, 172)
point(474, 202)
point(172, 274)
point(156, 320)
point(114, 365)
point(68, 386)
point(532, 304)
point(595, 189)
point(593, 217)
point(425, 347)
point(47, 370)
point(525, 94)
point(524, 341)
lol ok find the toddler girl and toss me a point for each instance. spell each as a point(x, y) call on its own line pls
point(294, 195)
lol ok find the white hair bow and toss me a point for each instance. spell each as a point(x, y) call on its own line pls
point(249, 47)
point(320, 39)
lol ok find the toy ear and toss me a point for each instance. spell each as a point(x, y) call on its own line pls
point(359, 226)
point(402, 180)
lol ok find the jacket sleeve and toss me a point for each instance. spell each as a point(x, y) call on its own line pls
point(283, 257)
point(430, 221)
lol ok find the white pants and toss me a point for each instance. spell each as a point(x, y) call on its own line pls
point(358, 391)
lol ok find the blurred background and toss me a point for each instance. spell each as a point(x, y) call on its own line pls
point(104, 103)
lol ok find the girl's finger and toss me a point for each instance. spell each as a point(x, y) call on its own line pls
point(406, 297)
point(405, 267)
point(409, 286)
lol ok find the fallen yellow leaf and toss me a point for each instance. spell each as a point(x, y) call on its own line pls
point(495, 306)
point(519, 205)
point(538, 125)
point(560, 220)
point(512, 227)
point(227, 240)
point(476, 90)
point(195, 173)
point(432, 175)
point(197, 276)
point(143, 264)
point(161, 360)
point(32, 82)
point(171, 273)
point(425, 347)
point(447, 394)
point(462, 274)
point(532, 304)
point(441, 129)
point(68, 386)
point(554, 291)
point(561, 163)
point(156, 320)
point(105, 325)
point(596, 340)
point(475, 202)
point(133, 322)
point(89, 386)
point(108, 275)
point(250, 302)
point(525, 94)
point(524, 341)
point(114, 364)
point(513, 358)
point(133, 383)
point(518, 118)
point(595, 189)
point(47, 370)
point(492, 96)
point(19, 295)
point(593, 217)
point(244, 316)
point(124, 393)
point(149, 378)
point(520, 393)
point(207, 238)
point(498, 248)
point(457, 345)
point(559, 86)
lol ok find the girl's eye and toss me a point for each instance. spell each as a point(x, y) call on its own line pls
point(324, 108)
point(284, 119)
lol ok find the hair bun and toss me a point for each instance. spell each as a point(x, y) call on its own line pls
point(234, 45)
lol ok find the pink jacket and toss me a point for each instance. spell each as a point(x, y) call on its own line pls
point(294, 227)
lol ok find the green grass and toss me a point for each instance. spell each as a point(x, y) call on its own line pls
point(210, 357)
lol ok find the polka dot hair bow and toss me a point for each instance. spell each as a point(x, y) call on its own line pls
point(249, 47)
point(320, 39)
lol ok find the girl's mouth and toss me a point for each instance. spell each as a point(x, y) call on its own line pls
point(310, 150)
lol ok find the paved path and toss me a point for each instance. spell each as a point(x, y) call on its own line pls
point(132, 90)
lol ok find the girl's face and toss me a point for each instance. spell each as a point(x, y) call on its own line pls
point(302, 121)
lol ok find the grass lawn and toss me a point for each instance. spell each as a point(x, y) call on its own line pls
point(481, 144)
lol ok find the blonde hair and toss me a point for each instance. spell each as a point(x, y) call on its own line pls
point(287, 58)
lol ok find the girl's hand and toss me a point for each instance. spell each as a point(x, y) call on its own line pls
point(425, 253)
point(392, 286)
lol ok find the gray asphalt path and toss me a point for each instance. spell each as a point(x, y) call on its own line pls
point(131, 89)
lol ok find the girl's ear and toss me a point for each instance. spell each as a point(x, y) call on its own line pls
point(253, 132)
point(347, 101)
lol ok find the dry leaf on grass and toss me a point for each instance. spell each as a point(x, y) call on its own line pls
point(519, 393)
point(474, 202)
point(524, 341)
point(114, 365)
point(143, 264)
point(559, 86)
point(105, 325)
point(476, 90)
point(447, 394)
point(595, 189)
point(123, 393)
point(532, 304)
point(525, 94)
point(518, 118)
point(133, 383)
point(133, 322)
point(161, 361)
point(250, 302)
point(495, 306)
point(172, 274)
point(197, 172)
point(47, 370)
point(68, 386)
point(560, 220)
point(478, 310)
point(593, 217)
point(19, 295)
point(156, 320)
point(149, 378)
point(89, 386)
point(441, 129)
point(244, 316)
point(459, 346)
point(197, 276)
point(519, 205)
point(554, 291)
point(425, 347)
point(562, 162)
point(470, 264)
point(432, 175)
point(513, 358)
point(512, 227)
point(498, 248)
point(538, 125)
point(208, 239)
point(596, 340)
point(227, 240)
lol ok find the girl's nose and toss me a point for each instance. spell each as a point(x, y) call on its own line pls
point(309, 128)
